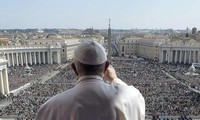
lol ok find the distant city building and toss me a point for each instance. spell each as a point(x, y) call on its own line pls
point(161, 49)
point(198, 37)
point(4, 39)
point(187, 32)
point(194, 30)
point(90, 31)
point(39, 30)
point(147, 48)
point(67, 46)
point(68, 49)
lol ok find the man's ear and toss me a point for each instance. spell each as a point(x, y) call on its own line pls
point(106, 66)
point(74, 68)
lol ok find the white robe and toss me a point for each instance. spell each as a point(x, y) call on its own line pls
point(93, 99)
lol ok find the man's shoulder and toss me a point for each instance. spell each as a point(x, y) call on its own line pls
point(56, 105)
point(59, 98)
point(64, 95)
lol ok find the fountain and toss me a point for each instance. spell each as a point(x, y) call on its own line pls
point(191, 71)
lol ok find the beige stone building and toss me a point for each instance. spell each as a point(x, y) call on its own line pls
point(147, 48)
point(68, 49)
point(180, 52)
point(163, 50)
point(4, 39)
point(43, 51)
point(67, 46)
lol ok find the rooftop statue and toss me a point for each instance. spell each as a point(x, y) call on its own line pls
point(2, 55)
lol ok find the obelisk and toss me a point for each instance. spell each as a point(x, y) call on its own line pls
point(109, 44)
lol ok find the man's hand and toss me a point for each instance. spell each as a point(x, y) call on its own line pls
point(110, 74)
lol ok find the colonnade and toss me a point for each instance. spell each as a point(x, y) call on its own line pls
point(4, 85)
point(180, 56)
point(32, 57)
point(20, 56)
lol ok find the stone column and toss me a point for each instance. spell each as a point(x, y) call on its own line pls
point(194, 56)
point(39, 58)
point(49, 53)
point(181, 56)
point(48, 57)
point(13, 62)
point(160, 56)
point(190, 56)
point(34, 57)
point(1, 83)
point(176, 56)
point(17, 59)
point(168, 56)
point(44, 61)
point(22, 61)
point(51, 59)
point(26, 59)
point(6, 84)
point(30, 58)
point(171, 55)
point(185, 57)
point(8, 58)
point(58, 57)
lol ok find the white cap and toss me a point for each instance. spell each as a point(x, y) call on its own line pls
point(90, 53)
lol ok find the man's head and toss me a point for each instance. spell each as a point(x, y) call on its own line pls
point(90, 59)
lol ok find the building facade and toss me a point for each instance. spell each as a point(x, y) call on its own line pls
point(67, 46)
point(68, 49)
point(146, 48)
point(31, 54)
point(180, 53)
point(161, 49)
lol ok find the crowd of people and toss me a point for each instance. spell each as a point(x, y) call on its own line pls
point(2, 97)
point(163, 95)
point(17, 76)
point(192, 80)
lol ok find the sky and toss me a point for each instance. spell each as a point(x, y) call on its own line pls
point(82, 14)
